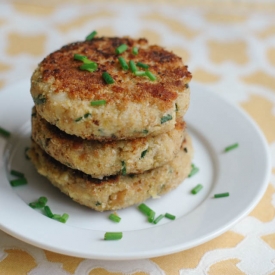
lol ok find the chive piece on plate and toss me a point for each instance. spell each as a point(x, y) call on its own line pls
point(145, 209)
point(48, 211)
point(91, 35)
point(64, 218)
point(160, 217)
point(90, 67)
point(221, 195)
point(151, 76)
point(40, 203)
point(194, 171)
point(151, 216)
point(196, 189)
point(135, 50)
point(133, 66)
point(18, 182)
point(122, 48)
point(231, 147)
point(112, 236)
point(115, 218)
point(56, 217)
point(33, 204)
point(107, 78)
point(123, 63)
point(43, 200)
point(4, 133)
point(142, 65)
point(98, 102)
point(169, 216)
point(17, 174)
point(166, 118)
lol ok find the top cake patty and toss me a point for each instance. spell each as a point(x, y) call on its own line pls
point(133, 106)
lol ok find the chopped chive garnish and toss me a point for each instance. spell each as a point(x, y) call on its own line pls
point(196, 189)
point(83, 58)
point(64, 218)
point(110, 236)
point(122, 48)
point(56, 217)
point(26, 153)
point(114, 217)
point(48, 211)
point(140, 73)
point(151, 76)
point(107, 78)
point(17, 174)
point(80, 57)
point(91, 35)
point(33, 204)
point(78, 119)
point(4, 133)
point(88, 61)
point(90, 67)
point(145, 132)
point(98, 102)
point(176, 106)
point(194, 170)
point(133, 66)
point(36, 204)
point(40, 203)
point(143, 153)
point(170, 216)
point(142, 65)
point(123, 63)
point(135, 50)
point(166, 118)
point(221, 195)
point(146, 210)
point(40, 99)
point(231, 147)
point(18, 182)
point(88, 114)
point(151, 216)
point(43, 200)
point(160, 217)
point(123, 170)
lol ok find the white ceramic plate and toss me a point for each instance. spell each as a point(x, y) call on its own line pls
point(213, 124)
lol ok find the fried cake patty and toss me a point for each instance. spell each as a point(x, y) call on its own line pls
point(100, 159)
point(135, 105)
point(115, 192)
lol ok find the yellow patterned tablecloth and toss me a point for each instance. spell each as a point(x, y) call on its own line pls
point(230, 49)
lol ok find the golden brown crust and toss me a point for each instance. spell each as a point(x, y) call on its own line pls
point(172, 74)
point(115, 192)
point(135, 106)
point(101, 159)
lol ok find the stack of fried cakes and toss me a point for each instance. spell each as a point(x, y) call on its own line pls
point(109, 146)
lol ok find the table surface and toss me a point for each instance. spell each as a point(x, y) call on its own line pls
point(229, 48)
